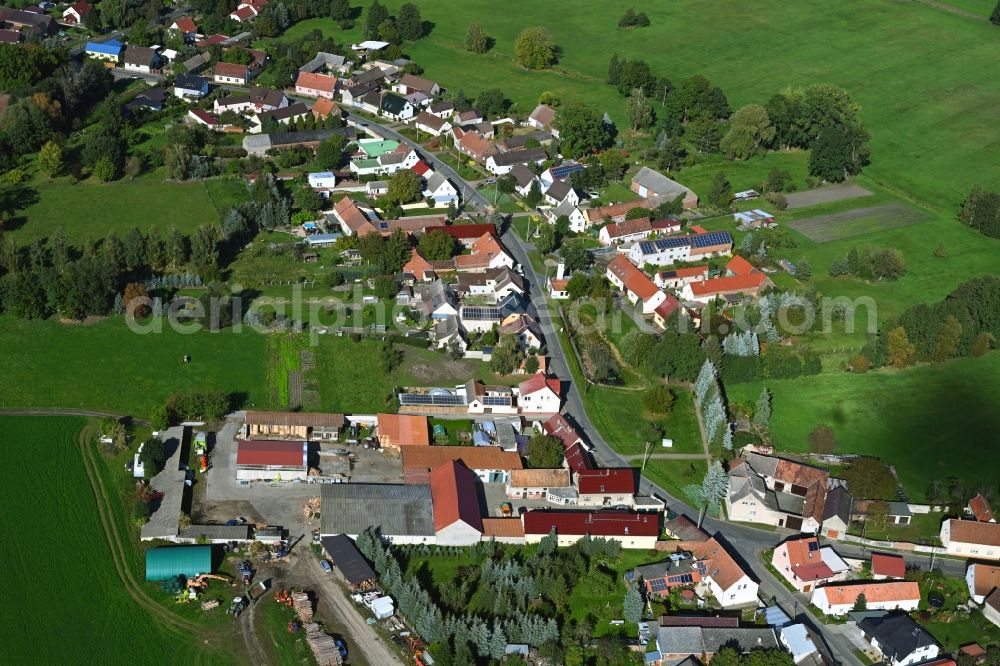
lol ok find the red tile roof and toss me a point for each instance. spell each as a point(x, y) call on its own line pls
point(740, 266)
point(594, 523)
point(607, 481)
point(454, 496)
point(730, 285)
point(634, 280)
point(895, 590)
point(971, 531)
point(805, 559)
point(404, 429)
point(639, 225)
point(558, 426)
point(420, 168)
point(986, 578)
point(578, 459)
point(417, 265)
point(230, 69)
point(667, 307)
point(269, 452)
point(323, 107)
point(186, 24)
point(538, 382)
point(347, 211)
point(474, 457)
point(316, 81)
point(884, 564)
point(981, 509)
point(503, 527)
point(243, 13)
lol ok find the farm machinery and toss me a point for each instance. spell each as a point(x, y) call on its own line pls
point(238, 606)
point(245, 567)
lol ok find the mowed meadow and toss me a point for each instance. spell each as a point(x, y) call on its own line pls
point(922, 75)
point(64, 603)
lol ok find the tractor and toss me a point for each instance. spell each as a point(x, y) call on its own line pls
point(237, 607)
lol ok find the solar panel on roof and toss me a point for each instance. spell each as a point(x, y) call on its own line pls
point(658, 585)
point(712, 238)
point(813, 546)
point(497, 401)
point(414, 399)
point(646, 247)
point(564, 170)
point(475, 312)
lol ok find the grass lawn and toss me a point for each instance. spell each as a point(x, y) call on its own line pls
point(285, 648)
point(675, 475)
point(922, 527)
point(107, 367)
point(614, 412)
point(453, 427)
point(929, 112)
point(930, 421)
point(91, 207)
point(72, 607)
point(950, 627)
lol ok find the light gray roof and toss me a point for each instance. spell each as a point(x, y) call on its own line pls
point(194, 62)
point(565, 208)
point(396, 510)
point(216, 532)
point(256, 141)
point(435, 181)
point(658, 183)
point(522, 175)
point(323, 60)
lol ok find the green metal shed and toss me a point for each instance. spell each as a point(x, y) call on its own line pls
point(171, 561)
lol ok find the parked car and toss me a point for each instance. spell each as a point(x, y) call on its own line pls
point(341, 647)
point(326, 566)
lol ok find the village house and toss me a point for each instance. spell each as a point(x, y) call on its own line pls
point(523, 179)
point(636, 229)
point(483, 399)
point(199, 117)
point(607, 487)
point(740, 278)
point(632, 530)
point(307, 426)
point(323, 108)
point(271, 460)
point(109, 51)
point(706, 567)
point(524, 328)
point(186, 28)
point(444, 109)
point(326, 62)
point(677, 645)
point(560, 192)
point(501, 163)
point(775, 491)
point(535, 483)
point(649, 184)
point(440, 189)
point(410, 83)
point(312, 84)
point(539, 395)
point(836, 513)
point(839, 598)
point(490, 463)
point(76, 13)
point(256, 100)
point(190, 86)
point(693, 247)
point(991, 607)
point(431, 124)
point(973, 539)
point(677, 278)
point(899, 639)
point(885, 566)
point(577, 218)
point(982, 580)
point(247, 10)
point(393, 106)
point(472, 145)
point(447, 332)
point(635, 284)
point(28, 23)
point(397, 431)
point(231, 74)
point(543, 117)
point(617, 212)
point(454, 495)
point(197, 62)
point(283, 116)
point(805, 564)
point(140, 59)
point(979, 509)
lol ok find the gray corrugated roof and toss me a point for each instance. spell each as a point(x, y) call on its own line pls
point(520, 157)
point(227, 532)
point(350, 508)
point(658, 183)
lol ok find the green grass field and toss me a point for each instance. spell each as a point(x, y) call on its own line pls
point(614, 412)
point(91, 207)
point(105, 366)
point(930, 422)
point(66, 603)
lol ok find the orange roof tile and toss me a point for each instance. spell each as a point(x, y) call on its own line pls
point(894, 590)
point(640, 225)
point(324, 106)
point(805, 559)
point(474, 457)
point(740, 266)
point(417, 265)
point(884, 564)
point(539, 478)
point(987, 578)
point(537, 383)
point(981, 509)
point(730, 285)
point(404, 429)
point(634, 280)
point(503, 527)
point(454, 496)
point(316, 81)
point(970, 531)
point(720, 565)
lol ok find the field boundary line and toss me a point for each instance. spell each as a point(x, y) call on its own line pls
point(118, 554)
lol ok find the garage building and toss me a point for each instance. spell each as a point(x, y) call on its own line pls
point(267, 460)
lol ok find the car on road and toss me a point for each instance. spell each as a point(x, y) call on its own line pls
point(341, 647)
point(326, 566)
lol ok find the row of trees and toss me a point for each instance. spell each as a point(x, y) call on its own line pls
point(981, 211)
point(965, 323)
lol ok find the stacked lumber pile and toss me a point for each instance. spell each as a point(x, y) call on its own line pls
point(303, 606)
point(323, 647)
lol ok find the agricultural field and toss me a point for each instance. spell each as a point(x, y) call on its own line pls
point(72, 607)
point(105, 366)
point(94, 208)
point(857, 222)
point(929, 112)
point(930, 422)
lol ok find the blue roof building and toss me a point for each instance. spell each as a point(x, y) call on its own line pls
point(172, 561)
point(111, 48)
